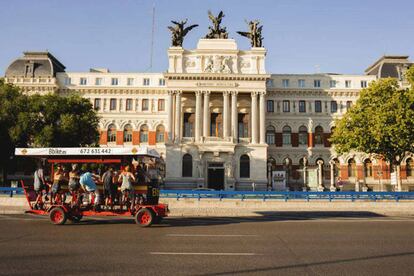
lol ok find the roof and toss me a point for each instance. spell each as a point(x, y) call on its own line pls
point(387, 59)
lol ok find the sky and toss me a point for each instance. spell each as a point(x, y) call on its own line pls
point(301, 36)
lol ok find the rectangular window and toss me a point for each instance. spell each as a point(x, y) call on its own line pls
point(130, 81)
point(301, 83)
point(145, 104)
point(270, 106)
point(302, 106)
point(348, 105)
point(364, 84)
point(82, 81)
point(332, 83)
point(146, 82)
point(286, 106)
point(114, 81)
point(285, 83)
point(318, 106)
point(68, 81)
point(161, 105)
point(128, 104)
point(243, 125)
point(98, 81)
point(97, 104)
point(189, 119)
point(348, 84)
point(334, 107)
point(161, 82)
point(112, 104)
point(316, 83)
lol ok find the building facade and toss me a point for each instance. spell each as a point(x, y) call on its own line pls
point(221, 121)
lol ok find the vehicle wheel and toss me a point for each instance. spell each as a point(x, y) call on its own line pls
point(145, 217)
point(58, 216)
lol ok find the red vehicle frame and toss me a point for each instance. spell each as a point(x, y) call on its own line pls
point(145, 213)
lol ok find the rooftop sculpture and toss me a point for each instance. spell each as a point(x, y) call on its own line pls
point(178, 32)
point(254, 34)
point(216, 31)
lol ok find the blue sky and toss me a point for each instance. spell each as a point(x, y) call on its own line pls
point(300, 36)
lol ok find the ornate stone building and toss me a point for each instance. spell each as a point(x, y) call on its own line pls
point(221, 121)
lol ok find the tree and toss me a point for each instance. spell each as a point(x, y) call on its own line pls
point(381, 123)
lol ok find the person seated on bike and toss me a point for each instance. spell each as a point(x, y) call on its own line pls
point(87, 182)
point(110, 188)
point(39, 184)
point(74, 182)
point(126, 187)
point(59, 179)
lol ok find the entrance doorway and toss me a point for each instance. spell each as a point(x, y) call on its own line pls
point(215, 176)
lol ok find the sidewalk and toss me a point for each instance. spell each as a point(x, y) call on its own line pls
point(252, 207)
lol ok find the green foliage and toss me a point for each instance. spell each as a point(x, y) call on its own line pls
point(44, 121)
point(381, 122)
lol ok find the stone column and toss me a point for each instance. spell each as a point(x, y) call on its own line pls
point(305, 180)
point(332, 164)
point(234, 116)
point(198, 116)
point(177, 130)
point(320, 178)
point(170, 110)
point(206, 115)
point(225, 114)
point(262, 110)
point(254, 117)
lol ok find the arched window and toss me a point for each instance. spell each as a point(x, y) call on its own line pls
point(368, 168)
point(286, 135)
point(143, 134)
point(160, 131)
point(187, 165)
point(270, 135)
point(127, 133)
point(318, 135)
point(244, 166)
point(303, 135)
point(302, 163)
point(409, 166)
point(112, 133)
point(351, 168)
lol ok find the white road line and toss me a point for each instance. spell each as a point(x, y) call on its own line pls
point(205, 253)
point(207, 235)
point(344, 220)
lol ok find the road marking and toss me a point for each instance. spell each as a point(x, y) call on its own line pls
point(207, 235)
point(205, 253)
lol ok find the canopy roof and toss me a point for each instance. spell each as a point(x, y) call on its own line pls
point(133, 151)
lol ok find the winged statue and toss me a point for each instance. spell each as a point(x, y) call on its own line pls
point(254, 34)
point(179, 31)
point(216, 31)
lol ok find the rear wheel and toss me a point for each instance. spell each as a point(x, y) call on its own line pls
point(58, 216)
point(145, 217)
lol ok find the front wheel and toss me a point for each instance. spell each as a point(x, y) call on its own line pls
point(58, 216)
point(144, 217)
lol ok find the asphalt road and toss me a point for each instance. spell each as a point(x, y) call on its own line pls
point(288, 243)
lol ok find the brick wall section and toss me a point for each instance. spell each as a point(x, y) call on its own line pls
point(295, 139)
point(135, 137)
point(403, 172)
point(326, 137)
point(360, 171)
point(278, 139)
point(151, 137)
point(119, 137)
point(311, 140)
point(344, 172)
point(103, 137)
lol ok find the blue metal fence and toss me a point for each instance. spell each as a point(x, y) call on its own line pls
point(266, 195)
point(307, 196)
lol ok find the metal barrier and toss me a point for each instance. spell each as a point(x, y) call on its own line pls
point(307, 196)
point(11, 191)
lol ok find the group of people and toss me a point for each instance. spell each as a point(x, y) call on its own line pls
point(86, 182)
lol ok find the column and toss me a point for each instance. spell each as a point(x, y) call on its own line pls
point(332, 188)
point(225, 114)
point(170, 111)
point(198, 116)
point(234, 116)
point(177, 130)
point(305, 163)
point(254, 117)
point(206, 115)
point(320, 178)
point(262, 110)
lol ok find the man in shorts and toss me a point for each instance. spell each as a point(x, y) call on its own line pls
point(87, 181)
point(39, 184)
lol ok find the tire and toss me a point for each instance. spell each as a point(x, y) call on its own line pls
point(58, 216)
point(145, 217)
